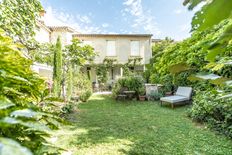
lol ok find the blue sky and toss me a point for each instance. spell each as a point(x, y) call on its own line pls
point(158, 17)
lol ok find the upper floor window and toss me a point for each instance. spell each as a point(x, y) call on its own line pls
point(135, 48)
point(111, 49)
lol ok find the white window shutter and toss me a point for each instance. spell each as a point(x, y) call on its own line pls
point(135, 51)
point(111, 49)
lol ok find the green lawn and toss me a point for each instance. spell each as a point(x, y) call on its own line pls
point(104, 126)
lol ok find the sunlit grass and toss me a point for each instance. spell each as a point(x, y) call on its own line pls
point(104, 126)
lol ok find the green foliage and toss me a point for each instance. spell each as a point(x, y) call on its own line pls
point(82, 86)
point(154, 96)
point(21, 90)
point(102, 72)
point(58, 69)
point(126, 70)
point(182, 59)
point(43, 53)
point(130, 83)
point(85, 95)
point(78, 54)
point(132, 63)
point(209, 107)
point(142, 91)
point(70, 82)
point(68, 108)
point(9, 146)
point(205, 19)
point(15, 72)
point(157, 52)
point(18, 19)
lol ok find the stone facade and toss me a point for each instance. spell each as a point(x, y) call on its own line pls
point(122, 47)
point(123, 51)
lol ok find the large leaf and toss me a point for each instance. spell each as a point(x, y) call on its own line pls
point(11, 147)
point(5, 103)
point(226, 96)
point(225, 37)
point(179, 68)
point(32, 125)
point(212, 78)
point(28, 113)
point(214, 52)
point(206, 17)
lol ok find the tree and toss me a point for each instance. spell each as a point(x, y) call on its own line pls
point(76, 55)
point(44, 53)
point(157, 52)
point(69, 81)
point(18, 20)
point(205, 19)
point(58, 67)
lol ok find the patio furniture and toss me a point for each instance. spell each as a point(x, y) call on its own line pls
point(183, 94)
point(121, 95)
point(129, 94)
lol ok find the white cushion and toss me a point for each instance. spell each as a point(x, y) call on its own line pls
point(184, 91)
point(174, 99)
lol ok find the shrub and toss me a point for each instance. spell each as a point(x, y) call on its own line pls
point(82, 86)
point(167, 81)
point(155, 95)
point(22, 122)
point(217, 112)
point(84, 96)
point(142, 91)
point(68, 108)
point(130, 83)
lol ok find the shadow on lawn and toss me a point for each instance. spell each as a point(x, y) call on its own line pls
point(143, 128)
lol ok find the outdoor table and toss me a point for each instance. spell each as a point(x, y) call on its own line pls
point(129, 94)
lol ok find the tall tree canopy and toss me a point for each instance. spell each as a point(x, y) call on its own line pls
point(18, 19)
point(212, 13)
point(58, 68)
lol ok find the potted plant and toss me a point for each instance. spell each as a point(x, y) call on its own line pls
point(142, 92)
point(154, 96)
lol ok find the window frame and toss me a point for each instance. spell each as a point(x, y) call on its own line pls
point(131, 48)
point(111, 54)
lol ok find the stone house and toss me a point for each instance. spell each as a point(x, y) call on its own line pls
point(121, 47)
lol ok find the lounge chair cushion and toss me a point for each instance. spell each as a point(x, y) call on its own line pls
point(184, 91)
point(174, 99)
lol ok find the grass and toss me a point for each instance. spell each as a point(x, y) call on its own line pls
point(104, 126)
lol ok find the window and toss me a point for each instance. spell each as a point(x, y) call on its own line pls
point(135, 48)
point(111, 50)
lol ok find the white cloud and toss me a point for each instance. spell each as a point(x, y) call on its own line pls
point(105, 25)
point(142, 18)
point(178, 11)
point(78, 22)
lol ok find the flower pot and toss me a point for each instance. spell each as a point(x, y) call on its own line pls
point(142, 98)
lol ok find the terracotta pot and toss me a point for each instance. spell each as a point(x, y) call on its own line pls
point(142, 98)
